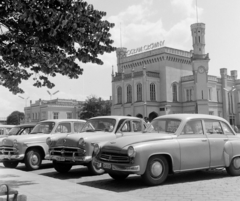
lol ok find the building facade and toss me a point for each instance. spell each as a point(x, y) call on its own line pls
point(167, 81)
point(52, 109)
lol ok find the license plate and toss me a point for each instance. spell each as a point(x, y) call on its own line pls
point(107, 165)
point(60, 158)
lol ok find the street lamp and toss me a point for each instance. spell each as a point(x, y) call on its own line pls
point(51, 94)
point(24, 99)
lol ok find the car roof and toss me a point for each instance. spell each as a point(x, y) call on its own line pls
point(186, 116)
point(7, 126)
point(61, 120)
point(115, 117)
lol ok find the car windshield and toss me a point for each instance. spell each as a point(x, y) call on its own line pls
point(43, 127)
point(104, 124)
point(165, 125)
point(14, 131)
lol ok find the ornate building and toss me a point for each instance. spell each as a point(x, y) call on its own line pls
point(166, 81)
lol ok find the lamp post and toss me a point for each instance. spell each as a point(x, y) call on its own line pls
point(51, 94)
point(24, 99)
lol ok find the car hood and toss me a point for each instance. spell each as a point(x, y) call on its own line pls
point(26, 139)
point(72, 140)
point(2, 136)
point(120, 143)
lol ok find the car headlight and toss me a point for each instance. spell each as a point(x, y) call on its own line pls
point(81, 142)
point(131, 152)
point(15, 144)
point(49, 141)
point(96, 149)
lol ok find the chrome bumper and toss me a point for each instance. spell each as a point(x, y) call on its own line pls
point(11, 157)
point(69, 159)
point(114, 167)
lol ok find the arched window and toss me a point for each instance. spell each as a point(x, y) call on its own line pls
point(139, 92)
point(152, 92)
point(119, 95)
point(174, 92)
point(129, 94)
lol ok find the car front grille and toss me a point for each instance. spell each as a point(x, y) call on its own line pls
point(114, 157)
point(66, 151)
point(4, 150)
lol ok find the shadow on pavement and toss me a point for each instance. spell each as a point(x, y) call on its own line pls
point(43, 166)
point(135, 182)
point(16, 184)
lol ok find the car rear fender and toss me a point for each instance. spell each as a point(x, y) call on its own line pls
point(231, 150)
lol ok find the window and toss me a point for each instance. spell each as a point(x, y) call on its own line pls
point(211, 112)
point(174, 91)
point(139, 92)
point(220, 113)
point(193, 127)
point(213, 127)
point(209, 94)
point(152, 92)
point(226, 129)
point(218, 95)
point(55, 115)
point(63, 128)
point(137, 126)
point(129, 94)
point(78, 126)
point(165, 125)
point(119, 95)
point(189, 94)
point(69, 115)
point(126, 127)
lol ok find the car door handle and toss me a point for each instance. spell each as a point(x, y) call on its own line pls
point(225, 139)
point(204, 140)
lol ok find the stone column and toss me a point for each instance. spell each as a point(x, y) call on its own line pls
point(223, 72)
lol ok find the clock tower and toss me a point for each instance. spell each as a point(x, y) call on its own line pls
point(200, 67)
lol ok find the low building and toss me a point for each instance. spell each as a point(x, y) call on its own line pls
point(167, 81)
point(52, 109)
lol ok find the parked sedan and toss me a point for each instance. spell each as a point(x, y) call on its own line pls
point(66, 151)
point(31, 149)
point(4, 130)
point(178, 143)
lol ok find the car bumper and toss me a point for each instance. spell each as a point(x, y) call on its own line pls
point(84, 159)
point(116, 167)
point(11, 157)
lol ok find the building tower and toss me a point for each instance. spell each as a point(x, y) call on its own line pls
point(200, 67)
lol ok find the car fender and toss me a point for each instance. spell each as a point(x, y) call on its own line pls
point(235, 151)
point(42, 146)
point(167, 147)
point(228, 152)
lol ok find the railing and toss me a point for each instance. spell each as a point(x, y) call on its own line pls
point(138, 74)
point(152, 74)
point(127, 76)
point(212, 78)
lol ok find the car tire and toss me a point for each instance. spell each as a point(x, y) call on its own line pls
point(10, 164)
point(234, 167)
point(93, 170)
point(156, 171)
point(33, 159)
point(118, 176)
point(61, 167)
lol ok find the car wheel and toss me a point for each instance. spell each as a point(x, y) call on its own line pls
point(156, 171)
point(10, 164)
point(118, 176)
point(234, 167)
point(33, 159)
point(61, 167)
point(93, 170)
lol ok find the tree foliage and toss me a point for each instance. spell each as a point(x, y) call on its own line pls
point(15, 118)
point(42, 38)
point(94, 106)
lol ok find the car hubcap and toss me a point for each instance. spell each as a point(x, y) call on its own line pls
point(236, 162)
point(34, 160)
point(156, 169)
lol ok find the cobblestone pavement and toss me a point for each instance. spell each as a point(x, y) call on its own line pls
point(201, 185)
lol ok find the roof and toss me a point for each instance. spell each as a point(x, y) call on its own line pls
point(115, 117)
point(190, 116)
point(61, 120)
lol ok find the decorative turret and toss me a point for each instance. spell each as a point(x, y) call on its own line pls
point(198, 36)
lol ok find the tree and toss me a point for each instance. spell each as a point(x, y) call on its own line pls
point(94, 106)
point(15, 118)
point(42, 38)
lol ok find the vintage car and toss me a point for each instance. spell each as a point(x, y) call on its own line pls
point(31, 149)
point(4, 129)
point(178, 143)
point(22, 129)
point(66, 151)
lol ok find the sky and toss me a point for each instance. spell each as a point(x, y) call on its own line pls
point(139, 23)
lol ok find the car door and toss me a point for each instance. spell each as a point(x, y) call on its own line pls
point(217, 139)
point(194, 146)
